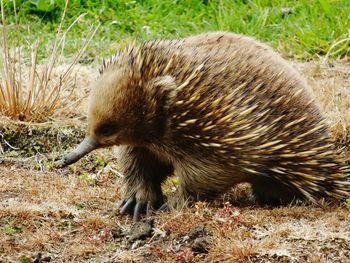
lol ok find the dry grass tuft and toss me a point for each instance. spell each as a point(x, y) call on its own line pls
point(35, 92)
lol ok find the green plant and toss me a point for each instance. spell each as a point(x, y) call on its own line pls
point(11, 230)
point(43, 92)
point(88, 179)
point(99, 162)
point(44, 5)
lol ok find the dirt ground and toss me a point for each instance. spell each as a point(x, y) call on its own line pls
point(70, 214)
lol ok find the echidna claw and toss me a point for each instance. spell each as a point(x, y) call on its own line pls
point(140, 208)
point(136, 208)
point(127, 206)
point(164, 208)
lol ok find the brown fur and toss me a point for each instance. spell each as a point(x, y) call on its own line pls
point(215, 109)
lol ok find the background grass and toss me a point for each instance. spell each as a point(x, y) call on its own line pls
point(300, 29)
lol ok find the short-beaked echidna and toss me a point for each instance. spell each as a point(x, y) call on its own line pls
point(216, 110)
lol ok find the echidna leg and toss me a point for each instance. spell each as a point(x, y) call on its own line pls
point(143, 175)
point(199, 190)
point(268, 190)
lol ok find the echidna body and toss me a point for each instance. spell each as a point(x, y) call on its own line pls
point(215, 109)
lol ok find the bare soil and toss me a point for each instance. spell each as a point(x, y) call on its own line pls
point(70, 215)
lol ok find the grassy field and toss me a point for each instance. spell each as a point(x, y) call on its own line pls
point(70, 214)
point(301, 29)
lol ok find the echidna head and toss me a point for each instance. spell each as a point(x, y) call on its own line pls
point(116, 106)
point(124, 109)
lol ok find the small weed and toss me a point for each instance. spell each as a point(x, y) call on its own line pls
point(11, 230)
point(24, 259)
point(348, 203)
point(65, 225)
point(80, 206)
point(88, 179)
point(99, 162)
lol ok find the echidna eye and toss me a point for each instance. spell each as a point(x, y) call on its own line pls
point(107, 129)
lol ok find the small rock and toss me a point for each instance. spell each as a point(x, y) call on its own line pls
point(141, 230)
point(201, 245)
point(198, 231)
point(117, 232)
point(198, 240)
point(39, 258)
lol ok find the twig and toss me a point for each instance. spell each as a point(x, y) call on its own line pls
point(7, 143)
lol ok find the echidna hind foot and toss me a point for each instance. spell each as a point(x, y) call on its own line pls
point(269, 191)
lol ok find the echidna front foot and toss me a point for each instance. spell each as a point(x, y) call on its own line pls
point(137, 208)
point(143, 175)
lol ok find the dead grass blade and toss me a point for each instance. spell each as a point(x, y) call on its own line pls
point(330, 52)
point(43, 92)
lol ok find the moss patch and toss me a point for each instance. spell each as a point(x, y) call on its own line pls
point(25, 140)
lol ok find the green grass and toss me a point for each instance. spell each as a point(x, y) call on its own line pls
point(300, 29)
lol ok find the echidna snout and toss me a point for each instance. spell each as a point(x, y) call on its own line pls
point(85, 147)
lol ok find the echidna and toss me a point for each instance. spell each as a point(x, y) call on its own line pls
point(216, 110)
